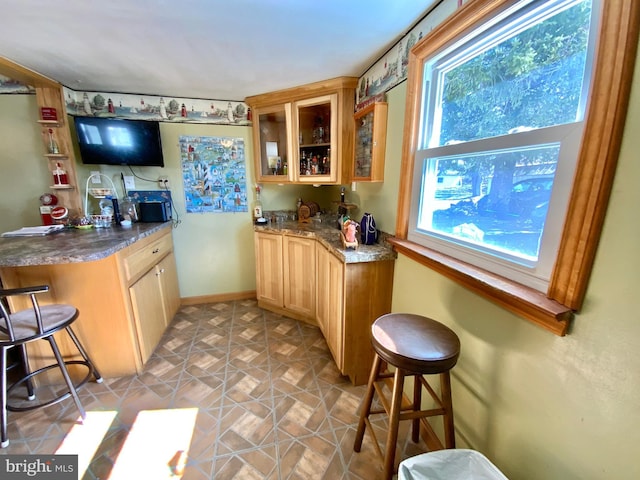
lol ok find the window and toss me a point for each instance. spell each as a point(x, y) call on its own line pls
point(501, 108)
point(500, 174)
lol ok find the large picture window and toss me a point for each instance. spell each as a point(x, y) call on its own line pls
point(497, 150)
point(502, 107)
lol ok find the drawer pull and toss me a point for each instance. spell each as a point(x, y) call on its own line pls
point(156, 250)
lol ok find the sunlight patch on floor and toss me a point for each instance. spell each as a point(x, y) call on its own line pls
point(85, 438)
point(157, 445)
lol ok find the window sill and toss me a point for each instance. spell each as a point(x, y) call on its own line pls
point(523, 301)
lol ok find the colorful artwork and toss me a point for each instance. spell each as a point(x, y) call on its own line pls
point(162, 109)
point(214, 174)
point(8, 85)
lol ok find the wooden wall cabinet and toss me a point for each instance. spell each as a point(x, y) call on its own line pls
point(305, 134)
point(370, 143)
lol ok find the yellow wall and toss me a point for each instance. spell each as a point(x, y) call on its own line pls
point(24, 173)
point(541, 406)
point(214, 251)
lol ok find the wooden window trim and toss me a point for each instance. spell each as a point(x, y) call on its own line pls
point(604, 126)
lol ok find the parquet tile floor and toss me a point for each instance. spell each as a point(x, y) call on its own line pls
point(271, 402)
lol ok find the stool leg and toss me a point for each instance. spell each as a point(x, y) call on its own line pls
point(85, 355)
point(417, 403)
point(365, 407)
point(4, 441)
point(25, 367)
point(447, 403)
point(394, 421)
point(67, 378)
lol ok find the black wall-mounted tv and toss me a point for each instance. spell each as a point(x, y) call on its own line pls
point(114, 141)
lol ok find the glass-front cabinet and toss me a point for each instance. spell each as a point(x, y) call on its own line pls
point(370, 143)
point(305, 134)
point(315, 120)
point(272, 158)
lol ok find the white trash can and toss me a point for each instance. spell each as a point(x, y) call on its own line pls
point(450, 464)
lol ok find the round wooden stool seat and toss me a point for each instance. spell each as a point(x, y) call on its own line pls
point(415, 346)
point(415, 343)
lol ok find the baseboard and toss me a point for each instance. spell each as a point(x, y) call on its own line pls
point(222, 297)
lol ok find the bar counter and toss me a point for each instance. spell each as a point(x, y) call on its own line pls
point(73, 245)
point(123, 281)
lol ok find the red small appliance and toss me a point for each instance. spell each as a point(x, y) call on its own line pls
point(47, 202)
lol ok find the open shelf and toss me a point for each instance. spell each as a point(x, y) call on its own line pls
point(51, 123)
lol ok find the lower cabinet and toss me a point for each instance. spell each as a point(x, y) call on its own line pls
point(351, 296)
point(154, 302)
point(343, 299)
point(300, 276)
point(153, 290)
point(330, 302)
point(285, 275)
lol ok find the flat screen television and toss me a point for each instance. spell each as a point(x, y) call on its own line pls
point(115, 141)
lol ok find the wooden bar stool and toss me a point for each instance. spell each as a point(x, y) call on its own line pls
point(415, 346)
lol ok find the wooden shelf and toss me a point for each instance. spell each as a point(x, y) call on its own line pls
point(62, 187)
point(59, 156)
point(51, 123)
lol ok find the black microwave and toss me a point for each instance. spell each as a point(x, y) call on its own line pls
point(155, 211)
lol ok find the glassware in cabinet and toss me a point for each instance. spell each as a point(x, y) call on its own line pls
point(272, 159)
point(315, 135)
point(370, 143)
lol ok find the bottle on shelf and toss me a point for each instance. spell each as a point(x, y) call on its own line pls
point(53, 146)
point(60, 175)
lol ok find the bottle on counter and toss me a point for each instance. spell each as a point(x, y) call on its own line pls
point(256, 207)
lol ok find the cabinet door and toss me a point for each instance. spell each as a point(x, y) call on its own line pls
point(169, 289)
point(300, 275)
point(148, 311)
point(330, 303)
point(272, 136)
point(269, 275)
point(370, 143)
point(316, 158)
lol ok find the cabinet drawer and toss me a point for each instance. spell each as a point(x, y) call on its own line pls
point(142, 260)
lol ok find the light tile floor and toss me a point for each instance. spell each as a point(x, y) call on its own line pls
point(271, 402)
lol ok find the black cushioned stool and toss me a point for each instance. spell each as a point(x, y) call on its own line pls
point(415, 346)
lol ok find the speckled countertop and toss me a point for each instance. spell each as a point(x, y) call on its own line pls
point(72, 245)
point(329, 235)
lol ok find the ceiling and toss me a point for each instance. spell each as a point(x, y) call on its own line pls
point(212, 49)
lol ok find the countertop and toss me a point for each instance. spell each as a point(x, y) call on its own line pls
point(72, 245)
point(329, 235)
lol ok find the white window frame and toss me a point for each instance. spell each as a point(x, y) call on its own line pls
point(589, 192)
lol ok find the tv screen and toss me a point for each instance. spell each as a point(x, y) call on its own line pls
point(113, 141)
